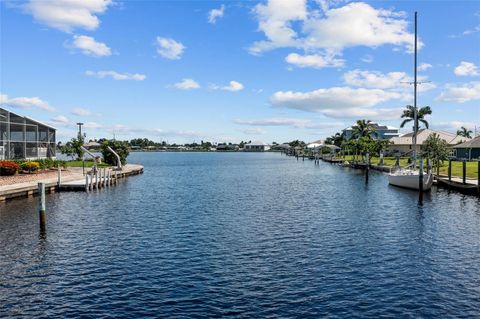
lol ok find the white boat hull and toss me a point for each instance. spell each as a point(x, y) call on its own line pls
point(411, 181)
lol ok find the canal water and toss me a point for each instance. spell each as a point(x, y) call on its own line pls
point(202, 235)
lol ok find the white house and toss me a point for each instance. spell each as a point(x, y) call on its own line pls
point(256, 146)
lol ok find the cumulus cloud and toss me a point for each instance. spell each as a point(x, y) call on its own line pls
point(424, 66)
point(214, 14)
point(117, 76)
point(314, 61)
point(466, 69)
point(187, 84)
point(67, 15)
point(89, 46)
point(169, 48)
point(81, 111)
point(331, 30)
point(461, 93)
point(26, 103)
point(233, 86)
point(453, 126)
point(367, 58)
point(375, 79)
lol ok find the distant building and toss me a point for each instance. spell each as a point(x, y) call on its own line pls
point(382, 132)
point(468, 150)
point(256, 146)
point(227, 147)
point(404, 143)
point(24, 138)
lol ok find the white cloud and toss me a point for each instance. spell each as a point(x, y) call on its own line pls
point(367, 58)
point(61, 120)
point(274, 20)
point(424, 66)
point(253, 131)
point(375, 79)
point(26, 103)
point(67, 15)
point(466, 69)
point(341, 102)
point(89, 46)
point(187, 84)
point(117, 76)
point(292, 122)
point(314, 61)
point(233, 86)
point(332, 30)
point(461, 93)
point(453, 126)
point(169, 48)
point(93, 125)
point(81, 111)
point(214, 14)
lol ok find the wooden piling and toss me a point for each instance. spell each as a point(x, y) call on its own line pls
point(449, 169)
point(464, 171)
point(96, 180)
point(59, 182)
point(420, 177)
point(42, 206)
point(86, 182)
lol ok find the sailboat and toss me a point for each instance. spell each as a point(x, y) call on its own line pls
point(411, 177)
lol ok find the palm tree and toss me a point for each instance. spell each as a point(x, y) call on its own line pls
point(409, 115)
point(363, 128)
point(463, 131)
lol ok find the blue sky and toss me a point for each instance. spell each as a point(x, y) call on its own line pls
point(186, 71)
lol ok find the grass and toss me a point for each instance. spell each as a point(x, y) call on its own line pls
point(457, 167)
point(87, 164)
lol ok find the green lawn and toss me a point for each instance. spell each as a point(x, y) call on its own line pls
point(87, 164)
point(457, 169)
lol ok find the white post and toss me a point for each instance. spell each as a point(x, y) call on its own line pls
point(59, 176)
point(41, 205)
point(86, 182)
point(96, 179)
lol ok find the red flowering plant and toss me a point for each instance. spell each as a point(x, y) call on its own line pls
point(8, 168)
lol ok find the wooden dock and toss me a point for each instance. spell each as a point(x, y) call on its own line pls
point(75, 182)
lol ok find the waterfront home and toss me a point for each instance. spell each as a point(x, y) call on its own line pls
point(256, 146)
point(227, 147)
point(468, 150)
point(281, 147)
point(24, 138)
point(382, 132)
point(404, 143)
point(316, 144)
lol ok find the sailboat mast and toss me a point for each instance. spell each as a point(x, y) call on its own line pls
point(415, 114)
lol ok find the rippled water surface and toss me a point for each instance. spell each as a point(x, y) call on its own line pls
point(242, 235)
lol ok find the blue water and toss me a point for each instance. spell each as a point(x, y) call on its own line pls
point(239, 235)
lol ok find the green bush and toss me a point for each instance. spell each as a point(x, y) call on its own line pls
point(120, 147)
point(30, 166)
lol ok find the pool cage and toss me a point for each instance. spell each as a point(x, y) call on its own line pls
point(24, 138)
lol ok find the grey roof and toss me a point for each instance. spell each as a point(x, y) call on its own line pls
point(475, 143)
point(30, 119)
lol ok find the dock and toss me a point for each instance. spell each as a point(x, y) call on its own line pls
point(74, 181)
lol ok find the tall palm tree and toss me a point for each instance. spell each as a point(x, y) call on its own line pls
point(363, 128)
point(409, 115)
point(463, 131)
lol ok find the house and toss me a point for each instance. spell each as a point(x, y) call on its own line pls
point(256, 146)
point(24, 138)
point(404, 143)
point(382, 132)
point(468, 150)
point(223, 147)
point(316, 144)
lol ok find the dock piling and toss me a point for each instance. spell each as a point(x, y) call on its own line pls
point(464, 171)
point(42, 206)
point(449, 169)
point(59, 182)
point(367, 170)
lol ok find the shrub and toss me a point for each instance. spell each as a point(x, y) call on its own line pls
point(8, 168)
point(30, 166)
point(121, 148)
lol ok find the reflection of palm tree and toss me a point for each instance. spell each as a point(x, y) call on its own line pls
point(463, 131)
point(409, 115)
point(363, 128)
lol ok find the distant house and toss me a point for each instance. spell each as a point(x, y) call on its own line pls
point(256, 146)
point(468, 150)
point(24, 138)
point(316, 144)
point(227, 147)
point(404, 143)
point(382, 132)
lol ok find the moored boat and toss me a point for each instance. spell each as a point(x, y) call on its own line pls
point(408, 178)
